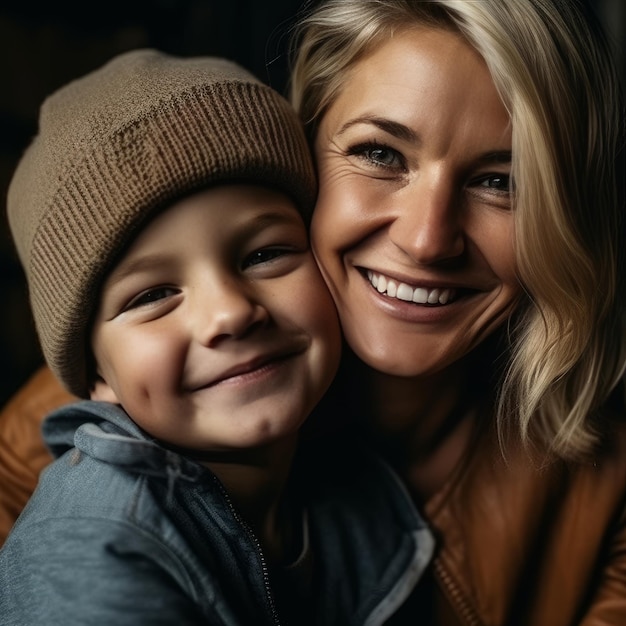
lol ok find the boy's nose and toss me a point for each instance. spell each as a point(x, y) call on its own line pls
point(225, 312)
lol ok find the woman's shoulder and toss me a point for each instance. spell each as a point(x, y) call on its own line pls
point(497, 466)
point(502, 490)
point(510, 519)
point(609, 457)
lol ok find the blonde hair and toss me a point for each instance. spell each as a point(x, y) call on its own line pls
point(553, 69)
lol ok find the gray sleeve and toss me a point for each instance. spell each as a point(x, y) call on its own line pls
point(93, 572)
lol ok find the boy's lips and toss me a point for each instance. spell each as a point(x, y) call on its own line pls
point(247, 367)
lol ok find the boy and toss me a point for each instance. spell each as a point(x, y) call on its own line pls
point(160, 216)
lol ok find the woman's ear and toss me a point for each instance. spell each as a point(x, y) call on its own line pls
point(102, 391)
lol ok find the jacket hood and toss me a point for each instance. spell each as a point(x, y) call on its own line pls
point(105, 432)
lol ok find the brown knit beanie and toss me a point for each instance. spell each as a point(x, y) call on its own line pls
point(116, 146)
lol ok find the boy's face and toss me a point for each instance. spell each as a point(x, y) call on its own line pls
point(215, 330)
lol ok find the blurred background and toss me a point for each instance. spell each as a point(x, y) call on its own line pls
point(45, 44)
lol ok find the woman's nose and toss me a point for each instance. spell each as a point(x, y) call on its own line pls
point(428, 227)
point(225, 311)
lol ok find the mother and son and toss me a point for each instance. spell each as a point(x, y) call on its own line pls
point(460, 459)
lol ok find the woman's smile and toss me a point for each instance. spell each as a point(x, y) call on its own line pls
point(419, 295)
point(422, 301)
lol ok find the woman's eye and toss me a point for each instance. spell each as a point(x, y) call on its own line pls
point(383, 156)
point(265, 255)
point(496, 182)
point(378, 155)
point(151, 296)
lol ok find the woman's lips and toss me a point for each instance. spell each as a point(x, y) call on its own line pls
point(408, 293)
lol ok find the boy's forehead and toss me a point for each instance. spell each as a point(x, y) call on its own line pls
point(241, 209)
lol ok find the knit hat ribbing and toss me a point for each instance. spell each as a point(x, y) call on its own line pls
point(119, 144)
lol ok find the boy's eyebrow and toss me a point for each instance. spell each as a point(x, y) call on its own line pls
point(153, 260)
point(142, 263)
point(270, 218)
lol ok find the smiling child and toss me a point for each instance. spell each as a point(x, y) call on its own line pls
point(161, 217)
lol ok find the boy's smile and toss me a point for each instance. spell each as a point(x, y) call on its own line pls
point(215, 330)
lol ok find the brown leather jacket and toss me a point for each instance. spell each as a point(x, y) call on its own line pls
point(518, 544)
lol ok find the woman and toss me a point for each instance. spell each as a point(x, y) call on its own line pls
point(469, 225)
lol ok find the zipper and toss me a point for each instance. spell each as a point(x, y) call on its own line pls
point(456, 596)
point(259, 551)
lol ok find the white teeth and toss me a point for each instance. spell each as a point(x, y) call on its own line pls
point(420, 295)
point(402, 291)
point(433, 297)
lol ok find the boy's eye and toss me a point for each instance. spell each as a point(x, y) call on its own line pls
point(265, 255)
point(151, 296)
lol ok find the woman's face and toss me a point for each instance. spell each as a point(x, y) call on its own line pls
point(413, 228)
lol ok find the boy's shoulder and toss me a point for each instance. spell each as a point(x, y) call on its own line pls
point(106, 469)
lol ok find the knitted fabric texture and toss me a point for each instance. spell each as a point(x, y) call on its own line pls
point(116, 146)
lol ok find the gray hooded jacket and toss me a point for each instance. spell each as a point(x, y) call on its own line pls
point(124, 531)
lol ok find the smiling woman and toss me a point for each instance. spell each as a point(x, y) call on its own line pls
point(470, 226)
point(414, 166)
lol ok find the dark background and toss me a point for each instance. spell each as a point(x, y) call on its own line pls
point(44, 44)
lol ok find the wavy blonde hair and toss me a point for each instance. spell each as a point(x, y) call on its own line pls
point(553, 70)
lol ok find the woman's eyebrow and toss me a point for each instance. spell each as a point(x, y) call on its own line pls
point(502, 157)
point(396, 129)
point(389, 126)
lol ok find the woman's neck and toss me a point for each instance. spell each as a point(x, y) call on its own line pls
point(422, 425)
